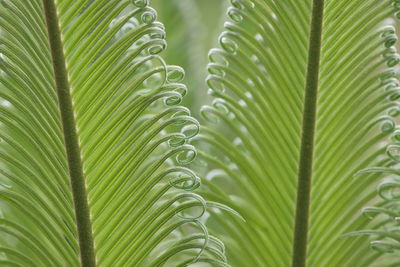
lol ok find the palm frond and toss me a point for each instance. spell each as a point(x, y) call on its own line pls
point(82, 85)
point(252, 139)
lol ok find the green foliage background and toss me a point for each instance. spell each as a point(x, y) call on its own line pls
point(192, 28)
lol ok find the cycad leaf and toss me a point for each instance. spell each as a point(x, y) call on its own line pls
point(93, 141)
point(259, 141)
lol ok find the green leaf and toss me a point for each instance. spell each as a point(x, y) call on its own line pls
point(94, 144)
point(287, 131)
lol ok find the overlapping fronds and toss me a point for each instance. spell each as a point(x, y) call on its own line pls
point(251, 141)
point(133, 139)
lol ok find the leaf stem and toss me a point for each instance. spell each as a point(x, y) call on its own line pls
point(70, 136)
point(307, 141)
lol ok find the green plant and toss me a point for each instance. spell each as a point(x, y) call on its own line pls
point(299, 113)
point(95, 148)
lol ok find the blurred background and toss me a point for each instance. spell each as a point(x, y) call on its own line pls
point(192, 28)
